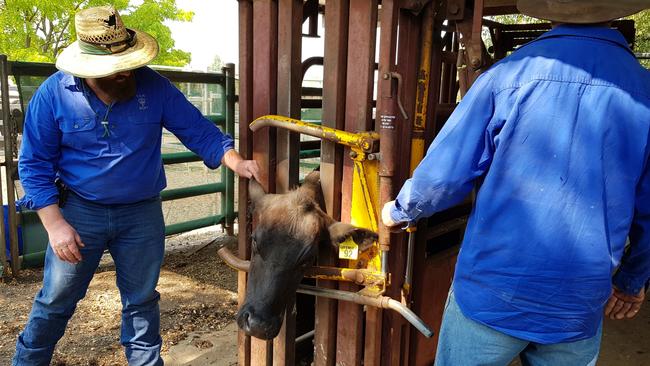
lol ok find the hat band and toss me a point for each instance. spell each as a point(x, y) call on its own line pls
point(109, 48)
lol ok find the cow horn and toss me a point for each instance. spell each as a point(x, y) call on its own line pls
point(311, 186)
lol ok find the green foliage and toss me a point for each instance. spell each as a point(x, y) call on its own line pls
point(642, 43)
point(37, 30)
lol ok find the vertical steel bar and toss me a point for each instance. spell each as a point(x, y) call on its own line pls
point(395, 337)
point(288, 89)
point(5, 117)
point(334, 84)
point(428, 297)
point(387, 124)
point(265, 68)
point(289, 79)
point(12, 217)
point(246, 150)
point(229, 195)
point(362, 30)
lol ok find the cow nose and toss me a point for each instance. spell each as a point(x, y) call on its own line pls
point(245, 319)
point(257, 326)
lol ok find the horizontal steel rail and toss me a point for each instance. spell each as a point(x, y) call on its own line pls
point(185, 192)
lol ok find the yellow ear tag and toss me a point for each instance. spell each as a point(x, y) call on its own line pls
point(348, 249)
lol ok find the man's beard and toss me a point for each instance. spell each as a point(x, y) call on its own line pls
point(119, 87)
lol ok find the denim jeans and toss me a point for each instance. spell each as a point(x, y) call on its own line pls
point(135, 237)
point(465, 342)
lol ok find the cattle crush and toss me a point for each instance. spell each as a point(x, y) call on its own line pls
point(379, 114)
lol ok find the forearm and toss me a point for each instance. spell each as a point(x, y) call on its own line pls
point(51, 217)
point(231, 158)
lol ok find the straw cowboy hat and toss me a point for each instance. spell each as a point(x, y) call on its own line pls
point(581, 11)
point(105, 46)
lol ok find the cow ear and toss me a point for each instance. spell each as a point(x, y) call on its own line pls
point(340, 232)
point(255, 191)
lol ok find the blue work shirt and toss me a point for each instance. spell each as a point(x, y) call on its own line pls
point(122, 163)
point(556, 135)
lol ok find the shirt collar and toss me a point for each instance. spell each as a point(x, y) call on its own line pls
point(588, 31)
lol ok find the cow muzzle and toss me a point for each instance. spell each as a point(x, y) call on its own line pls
point(255, 325)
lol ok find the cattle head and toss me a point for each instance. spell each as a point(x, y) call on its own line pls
point(289, 229)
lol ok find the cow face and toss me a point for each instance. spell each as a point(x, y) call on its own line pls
point(289, 229)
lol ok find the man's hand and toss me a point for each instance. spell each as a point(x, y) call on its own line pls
point(385, 215)
point(241, 167)
point(621, 305)
point(248, 169)
point(65, 241)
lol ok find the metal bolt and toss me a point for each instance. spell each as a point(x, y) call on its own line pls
point(386, 76)
point(454, 9)
point(353, 154)
point(476, 62)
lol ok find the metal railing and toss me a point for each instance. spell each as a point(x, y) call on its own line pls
point(11, 128)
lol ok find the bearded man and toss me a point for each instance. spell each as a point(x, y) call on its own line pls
point(96, 127)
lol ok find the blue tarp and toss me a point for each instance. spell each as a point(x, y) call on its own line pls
point(20, 233)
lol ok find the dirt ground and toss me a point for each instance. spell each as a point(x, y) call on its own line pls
point(198, 294)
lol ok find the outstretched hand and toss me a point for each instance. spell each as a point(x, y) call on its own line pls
point(624, 306)
point(241, 167)
point(247, 169)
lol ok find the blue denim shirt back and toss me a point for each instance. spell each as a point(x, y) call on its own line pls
point(556, 135)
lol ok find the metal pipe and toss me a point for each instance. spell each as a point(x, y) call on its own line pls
point(305, 336)
point(12, 216)
point(185, 192)
point(180, 157)
point(228, 199)
point(383, 302)
point(408, 276)
point(365, 141)
point(193, 224)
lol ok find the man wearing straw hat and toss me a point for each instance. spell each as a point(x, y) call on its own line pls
point(96, 126)
point(557, 139)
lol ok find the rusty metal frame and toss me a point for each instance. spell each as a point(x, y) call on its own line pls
point(343, 334)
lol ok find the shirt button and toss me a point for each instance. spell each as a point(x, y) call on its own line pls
point(76, 126)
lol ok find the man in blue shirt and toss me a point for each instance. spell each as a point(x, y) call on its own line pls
point(557, 137)
point(96, 125)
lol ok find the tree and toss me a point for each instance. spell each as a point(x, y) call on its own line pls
point(642, 42)
point(217, 64)
point(37, 30)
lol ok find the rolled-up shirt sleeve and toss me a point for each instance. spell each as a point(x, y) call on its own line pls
point(39, 152)
point(634, 271)
point(195, 131)
point(460, 153)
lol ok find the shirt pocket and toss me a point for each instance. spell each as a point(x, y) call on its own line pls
point(78, 132)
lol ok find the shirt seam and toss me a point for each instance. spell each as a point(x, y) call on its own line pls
point(562, 80)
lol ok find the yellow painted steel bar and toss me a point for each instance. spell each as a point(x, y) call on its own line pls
point(422, 92)
point(364, 141)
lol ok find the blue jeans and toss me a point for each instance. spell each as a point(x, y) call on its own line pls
point(134, 234)
point(465, 342)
